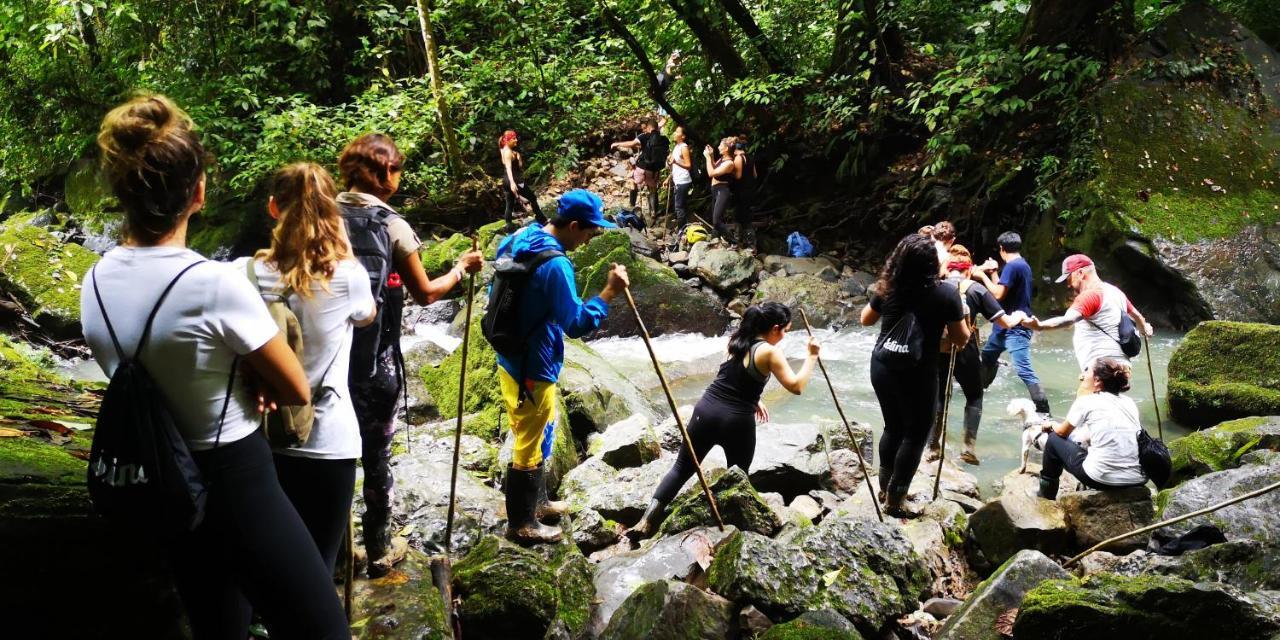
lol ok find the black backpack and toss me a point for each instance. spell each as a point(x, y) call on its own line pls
point(1154, 458)
point(1130, 342)
point(654, 152)
point(141, 473)
point(902, 346)
point(500, 323)
point(371, 245)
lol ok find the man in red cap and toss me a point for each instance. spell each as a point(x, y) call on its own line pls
point(1096, 313)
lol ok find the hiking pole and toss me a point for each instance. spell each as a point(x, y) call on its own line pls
point(1155, 399)
point(1149, 528)
point(671, 400)
point(862, 464)
point(946, 405)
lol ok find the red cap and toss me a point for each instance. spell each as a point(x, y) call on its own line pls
point(1072, 264)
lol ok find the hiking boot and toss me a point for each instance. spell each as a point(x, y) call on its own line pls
point(522, 498)
point(1039, 398)
point(548, 509)
point(933, 452)
point(649, 522)
point(396, 552)
point(972, 416)
point(896, 506)
point(1048, 489)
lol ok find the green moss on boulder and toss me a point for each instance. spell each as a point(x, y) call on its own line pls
point(738, 502)
point(483, 391)
point(1223, 446)
point(404, 604)
point(507, 591)
point(439, 257)
point(1225, 370)
point(43, 273)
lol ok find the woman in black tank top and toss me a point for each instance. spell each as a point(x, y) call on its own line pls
point(727, 412)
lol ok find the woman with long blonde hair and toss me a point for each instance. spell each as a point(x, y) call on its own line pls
point(309, 265)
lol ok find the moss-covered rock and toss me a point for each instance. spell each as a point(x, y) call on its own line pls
point(738, 503)
point(670, 610)
point(1248, 565)
point(1004, 590)
point(404, 605)
point(774, 576)
point(1257, 518)
point(507, 591)
point(439, 257)
point(820, 299)
point(666, 304)
point(1141, 607)
point(44, 273)
point(814, 625)
point(1225, 370)
point(1223, 446)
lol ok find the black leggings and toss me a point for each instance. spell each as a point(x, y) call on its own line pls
point(321, 491)
point(252, 553)
point(511, 203)
point(1061, 453)
point(713, 423)
point(720, 195)
point(681, 195)
point(969, 374)
point(908, 402)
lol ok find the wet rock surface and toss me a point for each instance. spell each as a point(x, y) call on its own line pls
point(1256, 519)
point(1223, 371)
point(1095, 516)
point(1003, 591)
point(670, 610)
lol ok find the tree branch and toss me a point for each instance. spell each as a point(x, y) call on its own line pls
point(742, 16)
point(651, 74)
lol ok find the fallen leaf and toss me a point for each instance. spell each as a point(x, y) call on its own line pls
point(6, 432)
point(50, 425)
point(1004, 622)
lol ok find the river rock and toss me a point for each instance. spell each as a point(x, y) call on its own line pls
point(1017, 521)
point(507, 591)
point(823, 624)
point(795, 266)
point(751, 622)
point(774, 576)
point(807, 507)
point(1223, 446)
point(596, 394)
point(658, 559)
point(640, 243)
point(1103, 605)
point(439, 257)
point(1223, 371)
point(857, 286)
point(1257, 518)
point(938, 537)
point(43, 274)
point(670, 610)
point(1094, 516)
point(421, 499)
point(738, 502)
point(820, 299)
point(617, 494)
point(723, 269)
point(869, 571)
point(1004, 590)
point(403, 604)
point(630, 443)
point(666, 304)
point(1248, 565)
point(592, 532)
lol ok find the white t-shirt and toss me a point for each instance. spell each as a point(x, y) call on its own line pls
point(679, 174)
point(326, 319)
point(1112, 421)
point(211, 315)
point(1096, 334)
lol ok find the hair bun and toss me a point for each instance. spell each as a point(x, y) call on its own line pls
point(131, 127)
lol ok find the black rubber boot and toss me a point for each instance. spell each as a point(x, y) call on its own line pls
point(1048, 488)
point(649, 522)
point(548, 509)
point(522, 498)
point(1038, 397)
point(972, 417)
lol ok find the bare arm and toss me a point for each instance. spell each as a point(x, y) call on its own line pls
point(1141, 321)
point(628, 144)
point(724, 169)
point(424, 290)
point(781, 369)
point(958, 332)
point(738, 162)
point(869, 316)
point(684, 160)
point(984, 276)
point(1063, 429)
point(1067, 319)
point(1009, 320)
point(277, 374)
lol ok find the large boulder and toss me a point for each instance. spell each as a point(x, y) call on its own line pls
point(616, 494)
point(1257, 518)
point(596, 394)
point(1017, 521)
point(1094, 516)
point(43, 273)
point(1143, 607)
point(821, 266)
point(819, 298)
point(1222, 447)
point(774, 576)
point(630, 443)
point(724, 269)
point(673, 557)
point(794, 459)
point(421, 498)
point(404, 604)
point(938, 537)
point(670, 610)
point(1225, 370)
point(507, 591)
point(738, 503)
point(1246, 564)
point(666, 304)
point(1003, 591)
point(1175, 209)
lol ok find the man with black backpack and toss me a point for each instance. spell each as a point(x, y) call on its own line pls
point(533, 304)
point(654, 149)
point(1106, 322)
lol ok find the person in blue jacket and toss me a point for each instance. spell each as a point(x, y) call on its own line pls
point(549, 310)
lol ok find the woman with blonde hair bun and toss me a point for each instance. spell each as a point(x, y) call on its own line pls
point(251, 552)
point(309, 265)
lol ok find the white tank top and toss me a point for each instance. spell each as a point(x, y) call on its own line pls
point(679, 174)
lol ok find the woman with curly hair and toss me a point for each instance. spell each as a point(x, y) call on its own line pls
point(909, 292)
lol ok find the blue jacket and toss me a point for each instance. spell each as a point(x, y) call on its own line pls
point(551, 303)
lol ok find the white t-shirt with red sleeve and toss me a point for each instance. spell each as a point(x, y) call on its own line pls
point(1097, 334)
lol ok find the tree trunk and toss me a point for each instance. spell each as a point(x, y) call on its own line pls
point(1089, 27)
point(885, 42)
point(742, 16)
point(650, 74)
point(712, 35)
point(452, 155)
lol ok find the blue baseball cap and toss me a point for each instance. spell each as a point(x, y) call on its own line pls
point(583, 206)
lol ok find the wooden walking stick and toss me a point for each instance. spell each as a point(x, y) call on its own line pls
point(946, 405)
point(1165, 523)
point(1155, 398)
point(862, 464)
point(675, 411)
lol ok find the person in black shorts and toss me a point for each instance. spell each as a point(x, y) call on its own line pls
point(727, 412)
point(515, 193)
point(968, 368)
point(909, 286)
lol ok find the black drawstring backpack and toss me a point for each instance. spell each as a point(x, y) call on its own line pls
point(141, 474)
point(902, 346)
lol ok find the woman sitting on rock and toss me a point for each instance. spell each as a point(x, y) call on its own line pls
point(727, 411)
point(1111, 461)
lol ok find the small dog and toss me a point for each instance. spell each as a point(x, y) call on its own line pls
point(1033, 433)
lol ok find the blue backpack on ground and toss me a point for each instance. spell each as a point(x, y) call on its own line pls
point(627, 218)
point(799, 246)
